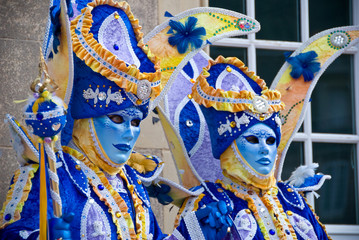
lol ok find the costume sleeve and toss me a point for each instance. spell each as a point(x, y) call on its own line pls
point(20, 213)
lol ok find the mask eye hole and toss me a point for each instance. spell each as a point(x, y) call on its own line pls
point(116, 118)
point(135, 122)
point(252, 139)
point(270, 140)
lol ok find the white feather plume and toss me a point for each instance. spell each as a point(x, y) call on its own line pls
point(301, 173)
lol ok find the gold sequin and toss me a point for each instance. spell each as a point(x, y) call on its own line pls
point(118, 214)
point(139, 101)
point(233, 124)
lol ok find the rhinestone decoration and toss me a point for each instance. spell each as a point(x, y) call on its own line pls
point(143, 89)
point(189, 123)
point(260, 104)
point(271, 232)
point(56, 126)
point(115, 46)
point(338, 39)
point(102, 96)
point(39, 116)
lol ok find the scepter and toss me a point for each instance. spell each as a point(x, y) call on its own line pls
point(45, 116)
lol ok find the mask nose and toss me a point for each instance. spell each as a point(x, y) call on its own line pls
point(264, 150)
point(128, 132)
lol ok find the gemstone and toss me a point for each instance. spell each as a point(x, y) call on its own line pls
point(271, 232)
point(233, 124)
point(269, 192)
point(189, 96)
point(143, 89)
point(39, 116)
point(78, 167)
point(115, 46)
point(100, 187)
point(117, 16)
point(339, 39)
point(262, 210)
point(139, 181)
point(189, 123)
point(91, 201)
point(289, 213)
point(290, 190)
point(56, 126)
point(250, 192)
point(219, 189)
point(260, 104)
point(7, 217)
point(102, 96)
point(248, 211)
point(229, 69)
point(247, 25)
point(47, 139)
point(287, 232)
point(192, 80)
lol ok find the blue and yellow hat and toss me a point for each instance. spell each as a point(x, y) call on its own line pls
point(113, 69)
point(232, 100)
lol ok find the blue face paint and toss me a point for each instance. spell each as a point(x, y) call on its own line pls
point(258, 147)
point(118, 133)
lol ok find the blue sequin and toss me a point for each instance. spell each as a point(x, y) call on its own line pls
point(7, 217)
point(39, 116)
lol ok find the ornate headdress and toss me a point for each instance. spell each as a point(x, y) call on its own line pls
point(232, 100)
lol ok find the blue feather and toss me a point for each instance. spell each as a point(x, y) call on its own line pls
point(186, 36)
point(168, 14)
point(304, 64)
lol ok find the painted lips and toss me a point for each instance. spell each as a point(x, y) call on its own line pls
point(264, 161)
point(122, 147)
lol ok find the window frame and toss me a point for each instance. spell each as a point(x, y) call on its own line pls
point(337, 231)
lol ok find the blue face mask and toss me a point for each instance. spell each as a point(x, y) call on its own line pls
point(258, 147)
point(118, 133)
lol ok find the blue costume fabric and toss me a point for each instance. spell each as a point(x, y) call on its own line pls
point(89, 201)
point(251, 215)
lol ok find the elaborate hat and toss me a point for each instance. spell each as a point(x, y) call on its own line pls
point(109, 66)
point(232, 100)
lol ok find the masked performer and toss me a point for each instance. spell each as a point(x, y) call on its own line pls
point(100, 195)
point(245, 131)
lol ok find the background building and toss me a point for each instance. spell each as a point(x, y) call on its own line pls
point(329, 135)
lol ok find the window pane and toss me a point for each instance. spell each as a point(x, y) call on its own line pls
point(268, 64)
point(332, 13)
point(237, 5)
point(293, 159)
point(333, 99)
point(240, 53)
point(338, 202)
point(280, 20)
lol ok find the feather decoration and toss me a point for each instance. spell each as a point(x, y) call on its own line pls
point(299, 175)
point(186, 36)
point(305, 64)
point(168, 14)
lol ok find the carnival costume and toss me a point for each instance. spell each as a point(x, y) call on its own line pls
point(97, 65)
point(227, 108)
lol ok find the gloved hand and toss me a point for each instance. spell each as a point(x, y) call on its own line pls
point(60, 227)
point(160, 191)
point(214, 220)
